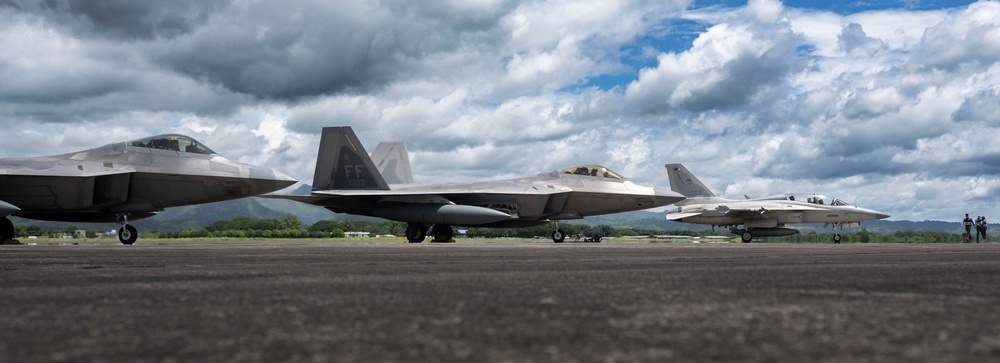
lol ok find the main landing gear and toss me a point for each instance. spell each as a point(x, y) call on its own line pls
point(442, 233)
point(416, 232)
point(6, 229)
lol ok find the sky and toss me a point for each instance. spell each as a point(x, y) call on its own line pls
point(891, 105)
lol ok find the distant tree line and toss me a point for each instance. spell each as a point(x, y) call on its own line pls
point(37, 231)
point(289, 226)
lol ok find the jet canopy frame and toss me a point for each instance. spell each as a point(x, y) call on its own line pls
point(593, 170)
point(173, 142)
point(810, 198)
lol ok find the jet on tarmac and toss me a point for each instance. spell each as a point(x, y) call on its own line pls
point(763, 217)
point(126, 181)
point(348, 181)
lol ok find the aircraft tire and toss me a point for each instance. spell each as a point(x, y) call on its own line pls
point(558, 236)
point(128, 234)
point(747, 237)
point(415, 232)
point(6, 229)
point(836, 238)
point(442, 233)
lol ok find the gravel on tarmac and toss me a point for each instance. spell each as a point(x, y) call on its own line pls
point(518, 301)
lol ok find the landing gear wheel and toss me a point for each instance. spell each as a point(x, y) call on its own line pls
point(836, 238)
point(415, 233)
point(597, 238)
point(746, 237)
point(442, 233)
point(558, 236)
point(128, 234)
point(6, 229)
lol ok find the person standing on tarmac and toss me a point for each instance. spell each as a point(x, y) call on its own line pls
point(981, 228)
point(967, 222)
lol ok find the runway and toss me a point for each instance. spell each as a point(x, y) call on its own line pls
point(519, 301)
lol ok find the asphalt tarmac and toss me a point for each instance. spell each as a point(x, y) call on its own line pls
point(525, 301)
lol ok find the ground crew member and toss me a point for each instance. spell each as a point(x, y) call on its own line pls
point(967, 222)
point(981, 228)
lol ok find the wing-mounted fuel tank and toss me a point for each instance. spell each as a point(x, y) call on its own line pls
point(452, 214)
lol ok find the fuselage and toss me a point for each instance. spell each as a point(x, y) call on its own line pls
point(568, 196)
point(130, 177)
point(770, 211)
point(525, 201)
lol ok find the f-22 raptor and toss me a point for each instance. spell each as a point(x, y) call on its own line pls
point(763, 217)
point(347, 180)
point(126, 181)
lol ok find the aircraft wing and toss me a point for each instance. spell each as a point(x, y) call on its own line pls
point(434, 195)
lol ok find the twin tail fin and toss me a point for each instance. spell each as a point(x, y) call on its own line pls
point(343, 163)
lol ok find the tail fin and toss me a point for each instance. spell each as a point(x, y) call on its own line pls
point(343, 163)
point(393, 162)
point(682, 181)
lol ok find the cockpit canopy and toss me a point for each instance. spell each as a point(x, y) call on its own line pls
point(173, 142)
point(593, 170)
point(809, 198)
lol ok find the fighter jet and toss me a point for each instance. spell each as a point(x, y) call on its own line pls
point(347, 180)
point(125, 181)
point(763, 217)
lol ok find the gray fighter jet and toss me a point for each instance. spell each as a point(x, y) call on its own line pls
point(763, 217)
point(125, 181)
point(347, 180)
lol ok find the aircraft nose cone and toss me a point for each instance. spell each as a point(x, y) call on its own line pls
point(881, 215)
point(7, 209)
point(666, 196)
point(269, 180)
point(283, 180)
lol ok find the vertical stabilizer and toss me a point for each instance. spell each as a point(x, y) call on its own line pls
point(393, 162)
point(685, 183)
point(343, 163)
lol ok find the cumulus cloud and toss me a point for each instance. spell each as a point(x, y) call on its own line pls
point(970, 37)
point(852, 38)
point(732, 64)
point(122, 19)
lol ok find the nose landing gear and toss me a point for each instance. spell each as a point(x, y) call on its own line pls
point(127, 234)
